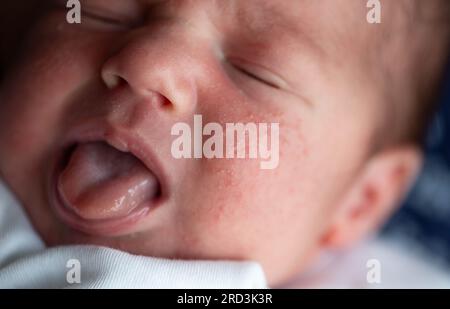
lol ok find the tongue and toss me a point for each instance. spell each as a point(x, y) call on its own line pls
point(101, 182)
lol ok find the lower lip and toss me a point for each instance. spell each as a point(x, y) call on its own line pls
point(108, 227)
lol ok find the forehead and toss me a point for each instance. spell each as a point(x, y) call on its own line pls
point(263, 15)
point(256, 15)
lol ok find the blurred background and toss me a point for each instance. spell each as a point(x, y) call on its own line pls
point(423, 223)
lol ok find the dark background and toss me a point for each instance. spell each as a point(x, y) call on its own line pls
point(424, 221)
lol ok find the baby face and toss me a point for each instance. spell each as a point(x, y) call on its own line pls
point(87, 111)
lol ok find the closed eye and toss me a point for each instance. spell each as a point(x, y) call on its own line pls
point(255, 77)
point(258, 74)
point(102, 18)
point(111, 18)
point(115, 13)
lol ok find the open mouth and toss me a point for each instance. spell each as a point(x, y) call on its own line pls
point(101, 190)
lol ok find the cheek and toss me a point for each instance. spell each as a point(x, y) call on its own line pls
point(250, 210)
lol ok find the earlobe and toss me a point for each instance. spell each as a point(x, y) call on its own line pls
point(376, 192)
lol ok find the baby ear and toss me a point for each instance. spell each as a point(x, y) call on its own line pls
point(374, 195)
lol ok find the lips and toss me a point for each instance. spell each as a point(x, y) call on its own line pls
point(102, 190)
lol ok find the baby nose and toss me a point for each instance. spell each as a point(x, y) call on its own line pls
point(157, 68)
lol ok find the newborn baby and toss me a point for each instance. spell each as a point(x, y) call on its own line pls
point(87, 111)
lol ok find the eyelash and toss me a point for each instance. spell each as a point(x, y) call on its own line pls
point(256, 77)
point(257, 73)
point(96, 15)
point(110, 21)
point(103, 19)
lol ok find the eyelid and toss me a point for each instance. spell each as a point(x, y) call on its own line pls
point(116, 17)
point(97, 10)
point(101, 17)
point(259, 72)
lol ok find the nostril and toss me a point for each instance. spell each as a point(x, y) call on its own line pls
point(157, 99)
point(112, 80)
point(165, 102)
